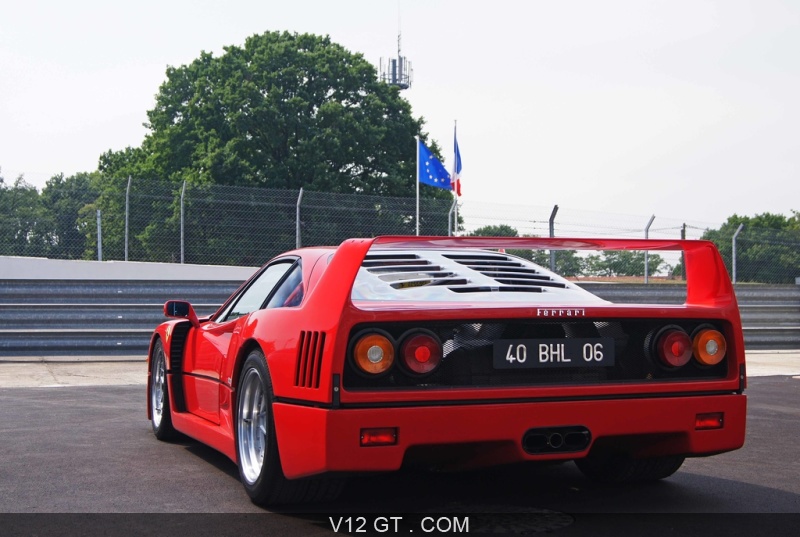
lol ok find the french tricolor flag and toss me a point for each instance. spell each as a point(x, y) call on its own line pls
point(455, 177)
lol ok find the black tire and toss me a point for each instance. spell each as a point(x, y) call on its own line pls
point(160, 412)
point(618, 468)
point(257, 447)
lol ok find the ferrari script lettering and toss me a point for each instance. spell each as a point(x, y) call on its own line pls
point(561, 313)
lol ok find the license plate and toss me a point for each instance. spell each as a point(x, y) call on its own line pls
point(547, 353)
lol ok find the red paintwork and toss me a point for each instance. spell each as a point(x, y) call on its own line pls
point(478, 435)
point(314, 437)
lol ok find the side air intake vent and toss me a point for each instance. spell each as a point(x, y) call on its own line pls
point(176, 350)
point(309, 359)
point(504, 270)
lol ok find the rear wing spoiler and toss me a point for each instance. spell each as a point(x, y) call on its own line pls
point(707, 280)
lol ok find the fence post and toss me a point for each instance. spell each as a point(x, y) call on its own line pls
point(298, 241)
point(683, 254)
point(553, 234)
point(647, 236)
point(183, 194)
point(450, 218)
point(733, 252)
point(99, 237)
point(127, 214)
point(455, 217)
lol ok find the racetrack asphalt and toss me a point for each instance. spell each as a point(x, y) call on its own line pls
point(58, 371)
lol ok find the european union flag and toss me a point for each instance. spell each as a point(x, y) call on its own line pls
point(431, 171)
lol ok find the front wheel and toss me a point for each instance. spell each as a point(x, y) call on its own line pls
point(257, 446)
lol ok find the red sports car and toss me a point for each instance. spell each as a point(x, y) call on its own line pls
point(451, 353)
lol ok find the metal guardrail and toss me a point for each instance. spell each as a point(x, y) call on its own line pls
point(112, 292)
point(69, 317)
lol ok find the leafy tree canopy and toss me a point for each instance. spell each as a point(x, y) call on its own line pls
point(500, 230)
point(623, 263)
point(23, 223)
point(283, 111)
point(68, 201)
point(568, 262)
point(766, 248)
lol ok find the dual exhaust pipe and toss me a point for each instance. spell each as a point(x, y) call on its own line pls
point(565, 439)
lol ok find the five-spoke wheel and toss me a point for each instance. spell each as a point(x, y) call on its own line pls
point(257, 446)
point(161, 417)
point(252, 424)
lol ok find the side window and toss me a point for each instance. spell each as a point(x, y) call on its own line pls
point(255, 295)
point(290, 292)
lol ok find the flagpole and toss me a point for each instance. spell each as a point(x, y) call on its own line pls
point(455, 164)
point(416, 175)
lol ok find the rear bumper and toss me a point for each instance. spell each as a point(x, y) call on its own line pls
point(316, 440)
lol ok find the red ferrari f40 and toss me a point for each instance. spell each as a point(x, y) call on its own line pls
point(451, 353)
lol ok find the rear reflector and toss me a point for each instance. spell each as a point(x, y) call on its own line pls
point(381, 436)
point(713, 420)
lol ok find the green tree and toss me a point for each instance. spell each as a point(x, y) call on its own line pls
point(500, 230)
point(623, 263)
point(284, 111)
point(568, 262)
point(767, 248)
point(64, 199)
point(23, 222)
point(503, 230)
point(110, 201)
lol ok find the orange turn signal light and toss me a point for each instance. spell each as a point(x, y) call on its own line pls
point(709, 347)
point(374, 353)
point(711, 420)
point(379, 436)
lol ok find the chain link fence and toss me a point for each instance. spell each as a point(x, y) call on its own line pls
point(140, 220)
point(760, 255)
point(229, 225)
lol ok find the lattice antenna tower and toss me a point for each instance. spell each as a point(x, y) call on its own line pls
point(397, 71)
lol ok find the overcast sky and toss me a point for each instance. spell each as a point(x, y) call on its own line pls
point(682, 109)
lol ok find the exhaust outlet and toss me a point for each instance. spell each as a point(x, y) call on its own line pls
point(555, 441)
point(566, 439)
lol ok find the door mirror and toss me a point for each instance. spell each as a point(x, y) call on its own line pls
point(180, 309)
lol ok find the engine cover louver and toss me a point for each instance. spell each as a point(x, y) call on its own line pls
point(461, 273)
point(309, 359)
point(409, 270)
point(504, 270)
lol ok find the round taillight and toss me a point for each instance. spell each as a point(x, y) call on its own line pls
point(674, 348)
point(421, 353)
point(709, 347)
point(374, 353)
